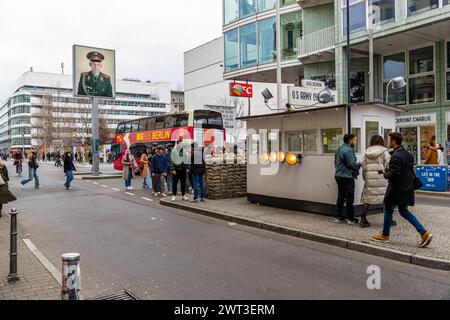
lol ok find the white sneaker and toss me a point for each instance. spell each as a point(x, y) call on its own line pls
point(174, 198)
point(185, 198)
point(159, 193)
point(130, 188)
point(163, 195)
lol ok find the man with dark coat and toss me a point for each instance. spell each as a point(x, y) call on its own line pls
point(400, 191)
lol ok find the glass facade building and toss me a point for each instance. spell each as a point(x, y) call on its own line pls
point(254, 43)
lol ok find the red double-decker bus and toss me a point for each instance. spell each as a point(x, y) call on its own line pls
point(206, 127)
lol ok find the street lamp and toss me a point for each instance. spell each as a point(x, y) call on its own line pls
point(397, 83)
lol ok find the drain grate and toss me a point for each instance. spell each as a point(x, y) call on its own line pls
point(123, 295)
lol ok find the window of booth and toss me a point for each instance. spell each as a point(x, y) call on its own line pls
point(372, 129)
point(254, 144)
point(310, 141)
point(386, 134)
point(331, 140)
point(357, 133)
point(294, 141)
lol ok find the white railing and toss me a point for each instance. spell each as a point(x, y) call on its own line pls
point(316, 42)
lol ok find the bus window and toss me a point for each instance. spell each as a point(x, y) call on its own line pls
point(151, 123)
point(138, 149)
point(127, 127)
point(117, 150)
point(170, 121)
point(143, 125)
point(135, 126)
point(208, 119)
point(182, 120)
point(159, 123)
point(120, 128)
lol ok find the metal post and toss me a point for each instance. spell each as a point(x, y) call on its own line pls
point(349, 81)
point(71, 279)
point(371, 52)
point(95, 139)
point(249, 106)
point(278, 49)
point(13, 274)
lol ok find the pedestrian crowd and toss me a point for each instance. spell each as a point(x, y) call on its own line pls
point(389, 180)
point(164, 168)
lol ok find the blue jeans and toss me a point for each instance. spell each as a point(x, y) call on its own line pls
point(130, 176)
point(69, 175)
point(199, 179)
point(169, 182)
point(404, 212)
point(32, 174)
point(148, 181)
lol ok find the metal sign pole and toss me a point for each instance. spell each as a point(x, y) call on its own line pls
point(95, 138)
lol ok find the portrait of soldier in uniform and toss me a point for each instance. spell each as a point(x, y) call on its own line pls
point(94, 82)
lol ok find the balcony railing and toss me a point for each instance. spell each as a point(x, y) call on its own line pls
point(316, 42)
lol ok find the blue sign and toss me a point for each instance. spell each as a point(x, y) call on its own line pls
point(434, 178)
point(448, 179)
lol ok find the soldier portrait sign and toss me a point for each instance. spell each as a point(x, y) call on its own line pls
point(94, 72)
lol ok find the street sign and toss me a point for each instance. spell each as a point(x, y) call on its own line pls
point(307, 97)
point(434, 178)
point(241, 90)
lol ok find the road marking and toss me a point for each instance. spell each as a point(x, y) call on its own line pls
point(115, 189)
point(104, 186)
point(129, 193)
point(95, 183)
point(147, 199)
point(88, 180)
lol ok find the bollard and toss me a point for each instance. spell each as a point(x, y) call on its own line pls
point(13, 275)
point(71, 279)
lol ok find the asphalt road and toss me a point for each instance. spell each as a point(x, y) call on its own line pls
point(162, 253)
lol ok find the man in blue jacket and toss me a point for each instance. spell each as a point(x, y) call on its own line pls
point(160, 167)
point(347, 169)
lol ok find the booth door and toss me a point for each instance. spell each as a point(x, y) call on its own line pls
point(371, 128)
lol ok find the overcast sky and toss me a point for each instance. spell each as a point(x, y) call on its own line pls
point(149, 36)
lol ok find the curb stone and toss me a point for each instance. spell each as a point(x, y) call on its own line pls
point(405, 257)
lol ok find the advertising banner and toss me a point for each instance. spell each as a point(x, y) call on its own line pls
point(434, 178)
point(94, 72)
point(241, 90)
point(307, 97)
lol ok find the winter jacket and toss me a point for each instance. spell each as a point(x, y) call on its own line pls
point(159, 164)
point(32, 163)
point(198, 165)
point(400, 174)
point(146, 162)
point(376, 160)
point(5, 195)
point(127, 164)
point(432, 156)
point(68, 165)
point(344, 160)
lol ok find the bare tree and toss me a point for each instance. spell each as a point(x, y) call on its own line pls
point(239, 111)
point(45, 122)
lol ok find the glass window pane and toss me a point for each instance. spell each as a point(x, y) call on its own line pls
point(159, 123)
point(247, 8)
point(394, 66)
point(331, 140)
point(421, 60)
point(387, 9)
point(357, 18)
point(247, 41)
point(291, 30)
point(231, 50)
point(264, 5)
point(310, 141)
point(446, 2)
point(372, 129)
point(294, 141)
point(419, 6)
point(267, 45)
point(448, 54)
point(410, 141)
point(151, 124)
point(421, 90)
point(448, 85)
point(396, 97)
point(357, 133)
point(358, 87)
point(287, 2)
point(231, 11)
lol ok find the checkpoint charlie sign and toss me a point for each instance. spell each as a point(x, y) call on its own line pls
point(307, 97)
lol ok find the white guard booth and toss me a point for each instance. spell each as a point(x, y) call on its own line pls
point(276, 178)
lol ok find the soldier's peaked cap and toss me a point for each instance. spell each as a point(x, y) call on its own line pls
point(95, 56)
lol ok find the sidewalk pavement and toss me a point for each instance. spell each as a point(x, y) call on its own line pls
point(404, 238)
point(35, 283)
